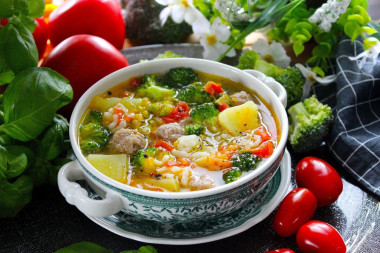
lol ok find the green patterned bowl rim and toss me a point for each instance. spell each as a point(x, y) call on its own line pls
point(221, 227)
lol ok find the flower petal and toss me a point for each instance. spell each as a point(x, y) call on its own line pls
point(178, 13)
point(164, 14)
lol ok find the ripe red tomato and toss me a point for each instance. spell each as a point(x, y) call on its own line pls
point(297, 208)
point(102, 18)
point(320, 178)
point(84, 59)
point(40, 36)
point(280, 251)
point(319, 237)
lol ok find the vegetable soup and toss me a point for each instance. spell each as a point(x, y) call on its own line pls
point(179, 131)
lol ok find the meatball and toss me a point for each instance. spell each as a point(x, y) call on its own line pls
point(201, 183)
point(127, 141)
point(170, 132)
point(240, 98)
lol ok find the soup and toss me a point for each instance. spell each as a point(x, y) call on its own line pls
point(183, 130)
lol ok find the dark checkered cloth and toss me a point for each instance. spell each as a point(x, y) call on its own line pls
point(355, 98)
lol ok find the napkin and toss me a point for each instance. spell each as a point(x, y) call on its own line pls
point(354, 139)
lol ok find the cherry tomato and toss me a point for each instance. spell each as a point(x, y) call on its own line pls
point(83, 60)
point(280, 251)
point(320, 178)
point(319, 237)
point(102, 18)
point(297, 208)
point(40, 36)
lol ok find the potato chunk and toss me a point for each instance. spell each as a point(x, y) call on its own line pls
point(239, 118)
point(170, 184)
point(113, 166)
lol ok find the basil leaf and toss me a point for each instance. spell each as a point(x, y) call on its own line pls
point(31, 100)
point(84, 247)
point(13, 197)
point(6, 8)
point(36, 8)
point(11, 165)
point(55, 139)
point(143, 249)
point(17, 46)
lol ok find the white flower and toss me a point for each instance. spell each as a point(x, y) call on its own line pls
point(232, 11)
point(371, 54)
point(272, 53)
point(329, 13)
point(212, 37)
point(311, 78)
point(179, 10)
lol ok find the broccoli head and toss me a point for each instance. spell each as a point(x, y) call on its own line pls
point(144, 159)
point(246, 161)
point(231, 175)
point(151, 88)
point(291, 77)
point(194, 94)
point(93, 137)
point(309, 124)
point(205, 114)
point(180, 77)
point(143, 24)
point(194, 129)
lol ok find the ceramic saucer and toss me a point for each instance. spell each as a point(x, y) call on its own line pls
point(208, 230)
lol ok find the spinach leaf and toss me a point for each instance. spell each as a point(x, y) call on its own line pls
point(17, 46)
point(55, 139)
point(11, 165)
point(84, 247)
point(13, 197)
point(31, 100)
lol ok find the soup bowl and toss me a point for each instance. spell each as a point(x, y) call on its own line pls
point(170, 206)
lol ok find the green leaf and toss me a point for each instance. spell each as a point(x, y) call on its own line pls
point(375, 26)
point(31, 101)
point(13, 197)
point(40, 171)
point(143, 249)
point(6, 8)
point(298, 47)
point(11, 165)
point(273, 12)
point(17, 46)
point(55, 139)
point(84, 247)
point(36, 8)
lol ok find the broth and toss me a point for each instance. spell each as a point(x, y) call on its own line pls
point(185, 137)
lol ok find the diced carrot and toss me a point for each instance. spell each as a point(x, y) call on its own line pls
point(164, 145)
point(265, 149)
point(223, 107)
point(213, 88)
point(262, 131)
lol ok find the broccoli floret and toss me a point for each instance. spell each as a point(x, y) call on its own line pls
point(93, 137)
point(246, 161)
point(247, 59)
point(194, 94)
point(94, 116)
point(232, 175)
point(291, 77)
point(309, 124)
point(194, 129)
point(144, 159)
point(180, 77)
point(205, 114)
point(146, 14)
point(150, 88)
point(161, 109)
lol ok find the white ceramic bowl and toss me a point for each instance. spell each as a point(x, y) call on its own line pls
point(168, 206)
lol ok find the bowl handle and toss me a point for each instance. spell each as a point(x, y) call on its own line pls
point(78, 196)
point(275, 86)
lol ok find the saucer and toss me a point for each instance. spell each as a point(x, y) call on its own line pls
point(206, 231)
